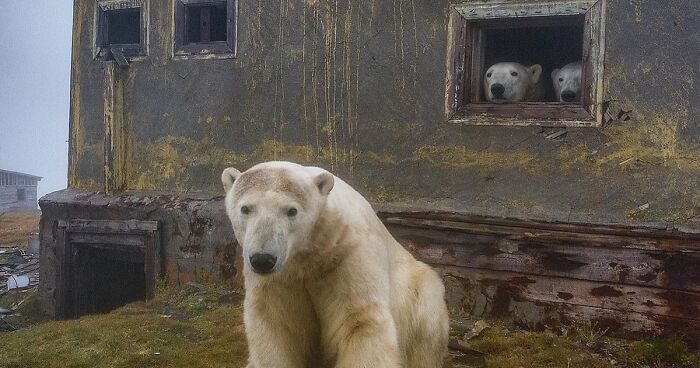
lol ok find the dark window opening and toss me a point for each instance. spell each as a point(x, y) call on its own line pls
point(206, 23)
point(106, 278)
point(124, 26)
point(205, 27)
point(21, 194)
point(552, 47)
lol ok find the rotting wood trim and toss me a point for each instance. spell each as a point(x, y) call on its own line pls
point(688, 240)
point(112, 226)
point(629, 266)
point(507, 9)
point(616, 297)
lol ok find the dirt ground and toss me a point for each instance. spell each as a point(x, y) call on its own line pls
point(16, 227)
point(201, 326)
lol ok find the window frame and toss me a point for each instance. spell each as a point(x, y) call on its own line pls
point(467, 25)
point(131, 51)
point(219, 49)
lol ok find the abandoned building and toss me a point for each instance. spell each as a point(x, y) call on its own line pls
point(18, 192)
point(543, 212)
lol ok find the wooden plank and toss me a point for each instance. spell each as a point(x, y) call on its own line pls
point(621, 298)
point(110, 69)
point(534, 234)
point(526, 111)
point(63, 271)
point(112, 226)
point(457, 35)
point(508, 9)
point(630, 325)
point(594, 60)
point(135, 241)
point(672, 270)
point(665, 235)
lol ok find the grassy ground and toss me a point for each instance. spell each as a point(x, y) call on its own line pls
point(15, 227)
point(202, 327)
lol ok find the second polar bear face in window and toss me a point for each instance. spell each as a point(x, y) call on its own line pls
point(567, 82)
point(513, 82)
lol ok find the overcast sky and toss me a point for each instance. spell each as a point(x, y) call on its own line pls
point(35, 48)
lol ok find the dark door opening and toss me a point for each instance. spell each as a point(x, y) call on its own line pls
point(105, 264)
point(106, 278)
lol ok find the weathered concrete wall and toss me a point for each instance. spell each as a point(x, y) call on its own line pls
point(9, 200)
point(358, 87)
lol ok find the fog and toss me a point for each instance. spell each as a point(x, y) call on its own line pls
point(35, 50)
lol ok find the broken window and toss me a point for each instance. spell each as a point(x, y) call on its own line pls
point(526, 64)
point(121, 25)
point(205, 27)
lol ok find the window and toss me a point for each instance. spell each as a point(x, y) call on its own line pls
point(21, 195)
point(504, 60)
point(121, 25)
point(205, 27)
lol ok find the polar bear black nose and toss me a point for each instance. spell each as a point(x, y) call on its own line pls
point(498, 90)
point(262, 262)
point(568, 96)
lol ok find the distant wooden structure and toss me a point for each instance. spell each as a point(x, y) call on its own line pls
point(18, 191)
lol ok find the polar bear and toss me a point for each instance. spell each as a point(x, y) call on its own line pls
point(326, 283)
point(567, 82)
point(513, 82)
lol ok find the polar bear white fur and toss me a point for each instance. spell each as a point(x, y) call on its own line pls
point(326, 283)
point(567, 82)
point(513, 82)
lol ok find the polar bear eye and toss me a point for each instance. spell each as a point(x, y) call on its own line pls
point(488, 75)
point(561, 79)
point(292, 212)
point(515, 74)
point(245, 210)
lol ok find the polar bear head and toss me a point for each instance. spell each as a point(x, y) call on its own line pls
point(510, 82)
point(567, 82)
point(273, 208)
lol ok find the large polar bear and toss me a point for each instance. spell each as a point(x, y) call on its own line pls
point(513, 82)
point(567, 82)
point(326, 283)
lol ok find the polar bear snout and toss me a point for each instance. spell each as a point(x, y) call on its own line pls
point(263, 263)
point(498, 90)
point(568, 96)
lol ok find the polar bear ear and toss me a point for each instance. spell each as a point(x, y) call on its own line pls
point(324, 182)
point(228, 177)
point(555, 72)
point(535, 72)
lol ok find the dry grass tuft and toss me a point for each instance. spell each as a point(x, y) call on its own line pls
point(15, 227)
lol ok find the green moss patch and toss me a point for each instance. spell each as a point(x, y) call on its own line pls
point(137, 335)
point(202, 326)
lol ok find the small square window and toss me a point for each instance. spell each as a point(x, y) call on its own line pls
point(204, 27)
point(510, 63)
point(121, 25)
point(21, 194)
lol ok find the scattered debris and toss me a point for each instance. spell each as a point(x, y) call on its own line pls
point(17, 282)
point(625, 161)
point(557, 134)
point(19, 273)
